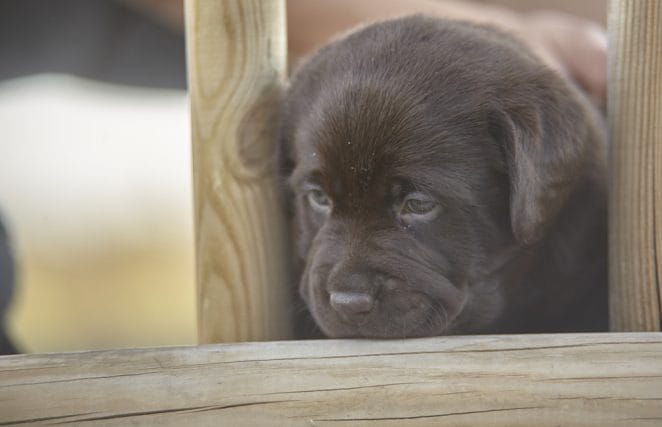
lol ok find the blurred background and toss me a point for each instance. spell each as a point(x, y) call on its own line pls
point(95, 186)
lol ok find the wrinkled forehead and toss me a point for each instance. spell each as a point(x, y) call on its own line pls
point(358, 135)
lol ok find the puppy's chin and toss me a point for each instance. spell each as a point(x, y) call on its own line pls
point(396, 313)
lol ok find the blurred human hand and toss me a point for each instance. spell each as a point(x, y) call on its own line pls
point(575, 47)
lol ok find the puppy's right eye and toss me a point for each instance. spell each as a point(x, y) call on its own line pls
point(418, 206)
point(318, 200)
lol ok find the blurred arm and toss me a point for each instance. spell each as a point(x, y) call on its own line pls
point(573, 46)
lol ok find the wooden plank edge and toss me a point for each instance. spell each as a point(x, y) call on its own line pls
point(566, 379)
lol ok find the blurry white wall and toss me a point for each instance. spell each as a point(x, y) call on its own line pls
point(95, 189)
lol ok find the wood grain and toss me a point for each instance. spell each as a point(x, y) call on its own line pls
point(635, 117)
point(518, 380)
point(236, 65)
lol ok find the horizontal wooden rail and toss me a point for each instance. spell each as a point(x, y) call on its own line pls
point(542, 380)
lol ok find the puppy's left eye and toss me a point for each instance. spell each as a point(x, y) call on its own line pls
point(419, 206)
point(318, 200)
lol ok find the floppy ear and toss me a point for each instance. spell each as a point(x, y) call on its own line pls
point(284, 160)
point(545, 136)
point(284, 166)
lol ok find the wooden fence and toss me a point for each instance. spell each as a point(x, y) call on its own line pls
point(611, 379)
point(237, 63)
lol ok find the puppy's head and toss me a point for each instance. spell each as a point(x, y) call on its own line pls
point(419, 155)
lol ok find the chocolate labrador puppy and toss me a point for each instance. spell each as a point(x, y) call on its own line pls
point(442, 180)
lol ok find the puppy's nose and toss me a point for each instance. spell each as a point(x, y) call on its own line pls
point(351, 303)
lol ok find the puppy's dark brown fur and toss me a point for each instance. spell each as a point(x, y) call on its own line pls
point(506, 162)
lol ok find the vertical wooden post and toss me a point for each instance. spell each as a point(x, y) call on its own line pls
point(236, 65)
point(635, 117)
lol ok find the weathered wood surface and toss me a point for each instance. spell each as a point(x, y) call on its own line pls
point(236, 66)
point(519, 380)
point(635, 117)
